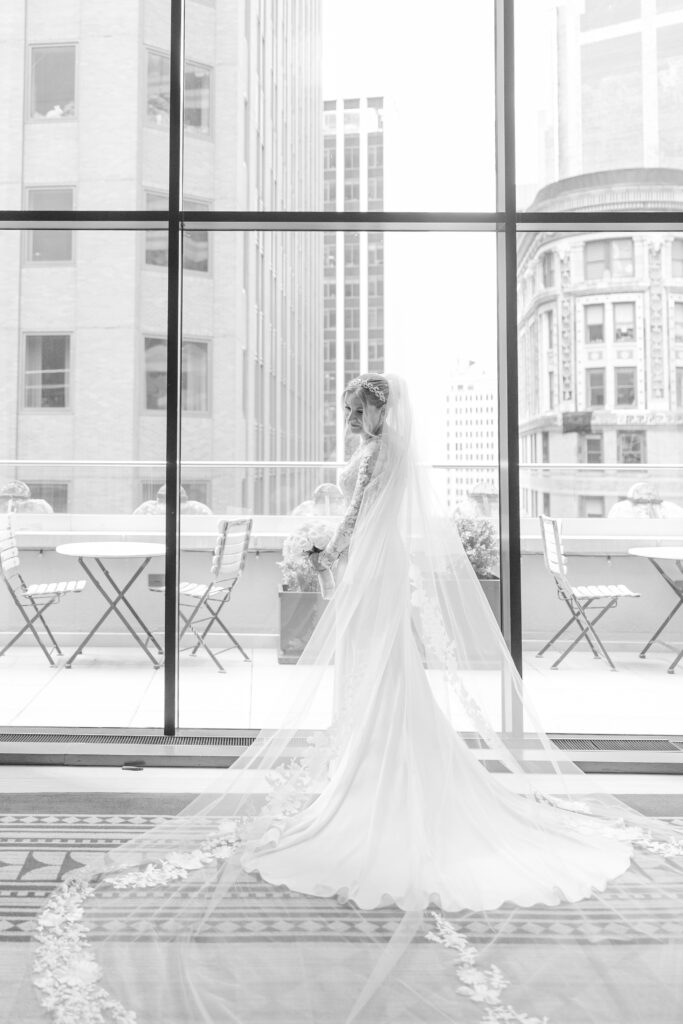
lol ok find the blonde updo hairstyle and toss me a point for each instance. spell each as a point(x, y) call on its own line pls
point(370, 399)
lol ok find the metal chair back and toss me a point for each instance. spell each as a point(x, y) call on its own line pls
point(553, 552)
point(9, 557)
point(230, 552)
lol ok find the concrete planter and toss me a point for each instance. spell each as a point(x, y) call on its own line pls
point(492, 590)
point(299, 614)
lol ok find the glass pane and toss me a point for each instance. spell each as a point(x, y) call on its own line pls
point(271, 335)
point(316, 111)
point(77, 453)
point(74, 109)
point(599, 105)
point(601, 450)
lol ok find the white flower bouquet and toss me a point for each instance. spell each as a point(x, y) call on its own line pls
point(299, 572)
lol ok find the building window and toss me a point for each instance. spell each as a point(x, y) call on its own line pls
point(678, 323)
point(631, 446)
point(591, 506)
point(53, 82)
point(593, 448)
point(54, 492)
point(551, 389)
point(195, 243)
point(545, 446)
point(624, 322)
point(625, 386)
point(612, 257)
point(679, 387)
point(546, 503)
point(595, 388)
point(595, 323)
point(46, 246)
point(548, 269)
point(548, 329)
point(677, 257)
point(196, 113)
point(195, 375)
point(46, 371)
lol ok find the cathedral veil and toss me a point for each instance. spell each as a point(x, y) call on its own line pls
point(173, 928)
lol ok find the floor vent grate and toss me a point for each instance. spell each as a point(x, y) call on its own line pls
point(136, 738)
point(619, 744)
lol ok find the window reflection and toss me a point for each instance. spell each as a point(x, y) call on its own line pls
point(53, 82)
point(46, 371)
point(195, 375)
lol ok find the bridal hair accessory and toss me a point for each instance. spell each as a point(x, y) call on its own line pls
point(359, 382)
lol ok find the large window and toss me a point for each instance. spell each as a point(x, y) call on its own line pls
point(49, 246)
point(197, 94)
point(46, 371)
point(631, 446)
point(595, 322)
point(53, 82)
point(625, 387)
point(595, 388)
point(677, 257)
point(610, 258)
point(195, 375)
point(624, 322)
point(195, 243)
point(593, 448)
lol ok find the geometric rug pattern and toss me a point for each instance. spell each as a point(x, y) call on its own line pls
point(38, 850)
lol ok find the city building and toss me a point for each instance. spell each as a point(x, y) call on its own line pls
point(354, 261)
point(471, 440)
point(619, 74)
point(83, 336)
point(601, 314)
point(601, 350)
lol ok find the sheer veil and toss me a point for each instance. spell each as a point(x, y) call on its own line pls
point(172, 927)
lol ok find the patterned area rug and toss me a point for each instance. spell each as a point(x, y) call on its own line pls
point(37, 850)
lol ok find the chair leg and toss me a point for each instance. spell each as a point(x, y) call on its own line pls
point(39, 613)
point(29, 626)
point(225, 629)
point(587, 630)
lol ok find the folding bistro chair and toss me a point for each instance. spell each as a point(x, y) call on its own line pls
point(201, 604)
point(34, 600)
point(598, 597)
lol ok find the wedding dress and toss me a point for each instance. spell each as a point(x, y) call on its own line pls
point(391, 854)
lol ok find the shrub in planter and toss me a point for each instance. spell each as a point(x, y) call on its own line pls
point(480, 540)
point(301, 603)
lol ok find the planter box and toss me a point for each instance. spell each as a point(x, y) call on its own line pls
point(492, 590)
point(299, 614)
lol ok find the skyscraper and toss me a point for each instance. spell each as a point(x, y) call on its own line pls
point(354, 262)
point(83, 342)
point(619, 82)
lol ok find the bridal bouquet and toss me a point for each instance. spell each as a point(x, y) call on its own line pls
point(298, 570)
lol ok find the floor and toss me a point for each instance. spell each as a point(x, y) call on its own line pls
point(115, 688)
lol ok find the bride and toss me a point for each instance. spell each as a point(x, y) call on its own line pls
point(390, 854)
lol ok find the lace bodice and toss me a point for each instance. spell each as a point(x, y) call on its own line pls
point(353, 480)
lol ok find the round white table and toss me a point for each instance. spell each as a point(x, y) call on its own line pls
point(99, 552)
point(664, 554)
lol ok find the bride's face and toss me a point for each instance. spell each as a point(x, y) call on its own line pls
point(353, 413)
point(361, 419)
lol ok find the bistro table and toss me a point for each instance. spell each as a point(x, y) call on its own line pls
point(92, 557)
point(665, 554)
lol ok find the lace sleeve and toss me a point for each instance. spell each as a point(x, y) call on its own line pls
point(342, 536)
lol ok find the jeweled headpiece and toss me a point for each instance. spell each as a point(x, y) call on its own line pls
point(360, 382)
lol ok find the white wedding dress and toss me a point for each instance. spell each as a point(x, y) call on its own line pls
point(409, 815)
point(402, 860)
